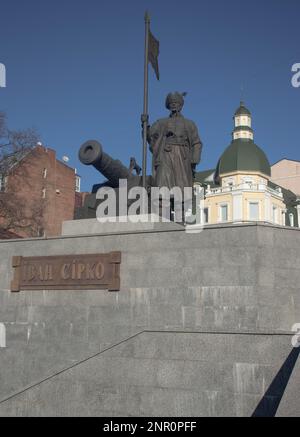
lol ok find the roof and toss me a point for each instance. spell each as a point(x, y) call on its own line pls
point(206, 177)
point(286, 159)
point(243, 155)
point(200, 176)
point(9, 161)
point(242, 110)
point(290, 198)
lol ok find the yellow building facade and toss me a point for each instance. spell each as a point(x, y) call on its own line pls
point(240, 189)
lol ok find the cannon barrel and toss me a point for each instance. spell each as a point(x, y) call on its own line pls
point(91, 153)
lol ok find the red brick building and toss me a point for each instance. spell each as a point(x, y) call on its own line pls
point(42, 190)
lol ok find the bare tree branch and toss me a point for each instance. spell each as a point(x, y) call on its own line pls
point(15, 213)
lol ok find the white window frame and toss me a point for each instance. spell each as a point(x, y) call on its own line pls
point(275, 218)
point(77, 183)
point(220, 206)
point(229, 182)
point(256, 202)
point(291, 220)
point(248, 180)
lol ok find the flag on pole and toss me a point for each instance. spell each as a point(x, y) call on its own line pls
point(153, 52)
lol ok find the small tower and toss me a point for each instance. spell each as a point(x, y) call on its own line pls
point(243, 191)
point(242, 124)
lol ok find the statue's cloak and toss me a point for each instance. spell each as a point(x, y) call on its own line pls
point(176, 148)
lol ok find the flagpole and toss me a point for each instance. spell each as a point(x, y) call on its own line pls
point(145, 116)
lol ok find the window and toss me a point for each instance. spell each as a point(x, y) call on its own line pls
point(205, 215)
point(77, 184)
point(253, 211)
point(275, 214)
point(43, 193)
point(2, 182)
point(44, 173)
point(223, 213)
point(248, 181)
point(41, 232)
point(229, 182)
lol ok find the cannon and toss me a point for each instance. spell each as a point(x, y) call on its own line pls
point(91, 153)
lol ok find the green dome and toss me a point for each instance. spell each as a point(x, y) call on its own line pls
point(243, 155)
point(242, 110)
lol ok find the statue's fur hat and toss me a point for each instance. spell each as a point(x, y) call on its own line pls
point(175, 96)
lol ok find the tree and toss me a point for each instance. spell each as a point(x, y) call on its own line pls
point(14, 142)
point(16, 214)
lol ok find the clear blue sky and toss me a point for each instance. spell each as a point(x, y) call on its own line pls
point(75, 71)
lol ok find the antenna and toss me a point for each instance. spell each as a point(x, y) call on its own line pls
point(242, 92)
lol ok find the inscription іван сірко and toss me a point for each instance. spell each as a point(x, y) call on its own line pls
point(92, 271)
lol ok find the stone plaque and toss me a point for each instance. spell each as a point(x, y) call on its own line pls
point(67, 272)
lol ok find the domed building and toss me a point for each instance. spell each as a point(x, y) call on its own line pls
point(240, 188)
